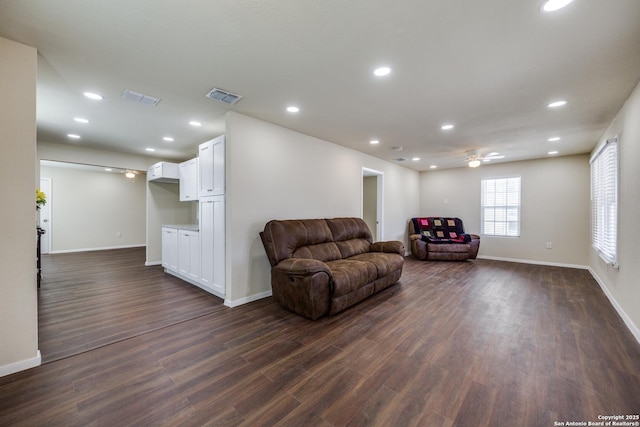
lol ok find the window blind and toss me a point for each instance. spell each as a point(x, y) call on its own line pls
point(604, 201)
point(501, 207)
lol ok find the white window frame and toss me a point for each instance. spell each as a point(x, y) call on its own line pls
point(604, 201)
point(500, 211)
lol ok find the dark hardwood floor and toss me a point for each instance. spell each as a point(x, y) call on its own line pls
point(482, 343)
point(91, 299)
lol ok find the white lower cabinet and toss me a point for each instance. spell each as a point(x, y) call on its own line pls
point(212, 244)
point(170, 248)
point(196, 253)
point(189, 254)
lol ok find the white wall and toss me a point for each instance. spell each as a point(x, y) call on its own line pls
point(18, 297)
point(623, 286)
point(276, 173)
point(555, 207)
point(89, 208)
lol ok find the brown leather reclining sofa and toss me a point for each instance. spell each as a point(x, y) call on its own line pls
point(443, 239)
point(323, 266)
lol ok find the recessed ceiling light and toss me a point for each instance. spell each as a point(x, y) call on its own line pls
point(551, 153)
point(293, 109)
point(168, 139)
point(433, 167)
point(556, 104)
point(81, 120)
point(382, 71)
point(553, 139)
point(553, 5)
point(374, 142)
point(94, 96)
point(73, 136)
point(447, 126)
point(415, 159)
point(150, 149)
point(108, 169)
point(194, 123)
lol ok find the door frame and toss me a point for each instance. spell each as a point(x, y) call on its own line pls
point(368, 172)
point(46, 241)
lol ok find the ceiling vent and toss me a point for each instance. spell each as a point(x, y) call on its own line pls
point(399, 159)
point(223, 96)
point(140, 97)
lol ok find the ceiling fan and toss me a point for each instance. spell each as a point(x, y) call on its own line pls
point(474, 158)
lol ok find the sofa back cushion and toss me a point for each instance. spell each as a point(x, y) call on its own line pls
point(352, 235)
point(321, 239)
point(440, 229)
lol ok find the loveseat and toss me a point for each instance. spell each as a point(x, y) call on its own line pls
point(323, 266)
point(444, 239)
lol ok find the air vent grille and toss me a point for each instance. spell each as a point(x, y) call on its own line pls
point(140, 97)
point(223, 96)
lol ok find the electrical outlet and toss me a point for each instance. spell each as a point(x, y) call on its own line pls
point(549, 245)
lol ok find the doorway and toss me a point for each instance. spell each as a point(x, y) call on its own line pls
point(45, 216)
point(372, 185)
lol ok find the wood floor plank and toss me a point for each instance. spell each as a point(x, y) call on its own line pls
point(483, 343)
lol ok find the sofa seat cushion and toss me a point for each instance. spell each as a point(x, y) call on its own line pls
point(349, 275)
point(385, 263)
point(449, 248)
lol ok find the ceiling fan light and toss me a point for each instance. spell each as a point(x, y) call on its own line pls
point(474, 163)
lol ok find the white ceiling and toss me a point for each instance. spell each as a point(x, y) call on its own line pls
point(488, 66)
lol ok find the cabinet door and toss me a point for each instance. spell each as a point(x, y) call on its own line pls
point(211, 168)
point(212, 243)
point(170, 248)
point(194, 256)
point(189, 254)
point(189, 180)
point(183, 252)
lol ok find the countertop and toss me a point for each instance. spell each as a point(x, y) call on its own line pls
point(191, 227)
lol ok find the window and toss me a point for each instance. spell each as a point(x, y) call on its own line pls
point(501, 207)
point(604, 201)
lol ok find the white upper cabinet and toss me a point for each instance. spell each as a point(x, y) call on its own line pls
point(163, 172)
point(211, 168)
point(189, 180)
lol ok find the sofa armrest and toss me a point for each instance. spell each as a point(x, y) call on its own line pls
point(393, 246)
point(303, 286)
point(415, 236)
point(302, 266)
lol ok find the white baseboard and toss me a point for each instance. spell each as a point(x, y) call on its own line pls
point(21, 365)
point(625, 318)
point(248, 299)
point(528, 261)
point(150, 263)
point(104, 248)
